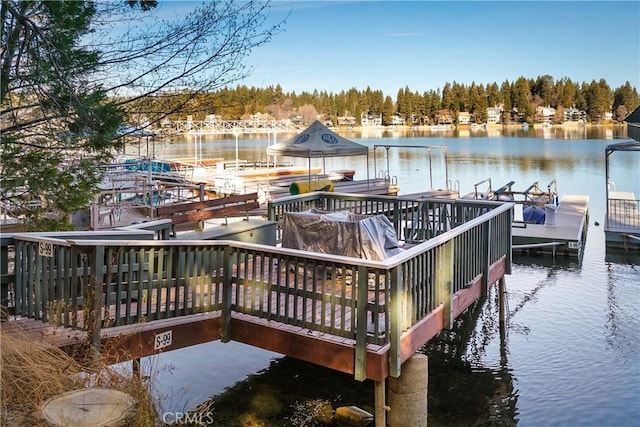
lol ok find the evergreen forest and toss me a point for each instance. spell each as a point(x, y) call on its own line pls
point(517, 100)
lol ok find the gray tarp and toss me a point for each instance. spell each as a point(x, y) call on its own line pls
point(340, 233)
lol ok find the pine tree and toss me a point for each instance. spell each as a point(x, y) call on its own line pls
point(67, 80)
point(56, 122)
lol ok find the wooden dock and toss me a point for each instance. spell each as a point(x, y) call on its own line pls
point(564, 234)
point(140, 296)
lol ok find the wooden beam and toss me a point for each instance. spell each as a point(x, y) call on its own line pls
point(219, 212)
point(178, 208)
point(300, 343)
point(124, 343)
point(420, 333)
point(361, 333)
point(444, 281)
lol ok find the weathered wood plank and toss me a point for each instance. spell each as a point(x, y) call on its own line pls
point(219, 212)
point(178, 208)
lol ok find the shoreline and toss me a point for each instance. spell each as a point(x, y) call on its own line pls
point(489, 126)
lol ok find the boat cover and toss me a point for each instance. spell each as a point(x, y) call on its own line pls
point(341, 233)
point(534, 214)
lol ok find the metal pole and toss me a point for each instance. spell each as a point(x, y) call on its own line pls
point(388, 167)
point(237, 166)
point(430, 170)
point(606, 184)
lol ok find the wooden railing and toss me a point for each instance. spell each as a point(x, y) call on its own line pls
point(93, 284)
point(11, 251)
point(414, 219)
point(623, 214)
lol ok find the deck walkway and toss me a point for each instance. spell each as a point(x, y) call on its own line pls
point(372, 187)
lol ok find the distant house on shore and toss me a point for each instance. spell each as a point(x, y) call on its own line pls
point(346, 121)
point(444, 117)
point(545, 115)
point(572, 114)
point(368, 120)
point(397, 120)
point(464, 118)
point(493, 115)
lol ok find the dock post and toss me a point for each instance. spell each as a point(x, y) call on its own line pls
point(4, 285)
point(501, 302)
point(360, 369)
point(408, 393)
point(380, 404)
point(201, 191)
point(444, 281)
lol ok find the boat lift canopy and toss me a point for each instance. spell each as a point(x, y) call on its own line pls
point(429, 149)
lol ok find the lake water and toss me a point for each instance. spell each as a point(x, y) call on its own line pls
point(571, 352)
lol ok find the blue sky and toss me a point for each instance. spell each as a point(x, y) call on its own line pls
point(388, 45)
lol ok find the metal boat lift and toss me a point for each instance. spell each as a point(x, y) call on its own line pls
point(448, 186)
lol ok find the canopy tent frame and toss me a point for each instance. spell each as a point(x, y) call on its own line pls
point(318, 141)
point(429, 149)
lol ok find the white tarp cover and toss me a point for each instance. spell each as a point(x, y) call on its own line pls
point(318, 141)
point(340, 233)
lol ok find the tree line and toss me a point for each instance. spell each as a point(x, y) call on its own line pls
point(518, 100)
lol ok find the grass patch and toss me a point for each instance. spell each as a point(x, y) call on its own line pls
point(32, 372)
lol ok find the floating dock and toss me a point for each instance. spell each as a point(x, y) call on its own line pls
point(564, 231)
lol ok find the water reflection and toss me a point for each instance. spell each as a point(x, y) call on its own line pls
point(620, 302)
point(458, 356)
point(567, 131)
point(533, 258)
point(620, 256)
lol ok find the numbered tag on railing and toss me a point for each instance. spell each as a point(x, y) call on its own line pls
point(162, 340)
point(45, 249)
